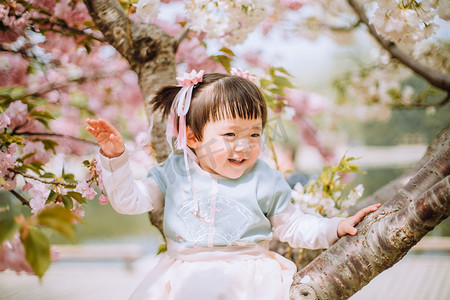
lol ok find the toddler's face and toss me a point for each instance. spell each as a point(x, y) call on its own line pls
point(230, 147)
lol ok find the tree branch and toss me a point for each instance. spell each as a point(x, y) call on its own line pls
point(64, 28)
point(21, 199)
point(82, 79)
point(55, 134)
point(180, 38)
point(434, 78)
point(54, 182)
point(441, 103)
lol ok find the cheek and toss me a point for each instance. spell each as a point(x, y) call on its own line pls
point(219, 149)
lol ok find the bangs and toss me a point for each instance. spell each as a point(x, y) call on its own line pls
point(234, 104)
point(230, 97)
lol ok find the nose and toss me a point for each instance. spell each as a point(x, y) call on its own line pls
point(242, 145)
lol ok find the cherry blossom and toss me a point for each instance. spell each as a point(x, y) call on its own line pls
point(40, 154)
point(4, 121)
point(12, 256)
point(103, 200)
point(17, 113)
point(147, 9)
point(293, 4)
point(230, 21)
point(39, 197)
point(27, 186)
point(13, 69)
point(84, 188)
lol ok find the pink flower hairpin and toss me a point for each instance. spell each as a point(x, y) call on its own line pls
point(191, 78)
point(240, 73)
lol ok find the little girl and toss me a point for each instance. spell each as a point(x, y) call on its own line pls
point(221, 201)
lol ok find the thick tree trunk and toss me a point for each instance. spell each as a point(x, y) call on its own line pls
point(151, 54)
point(148, 49)
point(385, 236)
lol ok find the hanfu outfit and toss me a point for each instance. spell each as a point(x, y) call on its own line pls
point(218, 236)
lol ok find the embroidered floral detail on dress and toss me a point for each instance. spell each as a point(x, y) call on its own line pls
point(230, 220)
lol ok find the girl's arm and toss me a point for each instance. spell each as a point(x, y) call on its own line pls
point(307, 231)
point(302, 230)
point(127, 196)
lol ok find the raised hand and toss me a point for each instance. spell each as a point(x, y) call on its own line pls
point(109, 139)
point(347, 226)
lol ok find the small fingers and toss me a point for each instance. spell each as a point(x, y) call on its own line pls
point(365, 211)
point(351, 230)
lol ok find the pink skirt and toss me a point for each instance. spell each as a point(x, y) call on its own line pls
point(225, 276)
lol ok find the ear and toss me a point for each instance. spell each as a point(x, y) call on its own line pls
point(191, 140)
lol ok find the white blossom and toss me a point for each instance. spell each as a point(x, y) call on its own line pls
point(230, 21)
point(147, 9)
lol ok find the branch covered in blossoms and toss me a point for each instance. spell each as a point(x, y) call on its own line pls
point(434, 78)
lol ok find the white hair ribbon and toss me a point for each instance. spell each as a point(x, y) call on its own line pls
point(179, 109)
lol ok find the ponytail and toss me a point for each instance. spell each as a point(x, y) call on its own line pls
point(163, 99)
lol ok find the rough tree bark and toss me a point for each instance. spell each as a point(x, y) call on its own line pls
point(353, 261)
point(385, 236)
point(149, 50)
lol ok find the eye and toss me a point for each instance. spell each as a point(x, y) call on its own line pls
point(255, 135)
point(229, 134)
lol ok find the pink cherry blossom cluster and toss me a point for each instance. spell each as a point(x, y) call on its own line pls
point(293, 4)
point(39, 197)
point(84, 188)
point(305, 106)
point(15, 18)
point(17, 113)
point(7, 159)
point(73, 12)
point(13, 69)
point(48, 5)
point(12, 256)
point(95, 177)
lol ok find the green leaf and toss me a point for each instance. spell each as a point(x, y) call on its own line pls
point(69, 178)
point(49, 145)
point(86, 163)
point(227, 50)
point(35, 166)
point(162, 248)
point(282, 70)
point(51, 197)
point(43, 122)
point(68, 202)
point(59, 219)
point(42, 114)
point(48, 175)
point(23, 158)
point(224, 60)
point(325, 177)
point(283, 82)
point(265, 82)
point(77, 196)
point(37, 250)
point(8, 227)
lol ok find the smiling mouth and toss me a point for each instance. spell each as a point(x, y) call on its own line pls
point(236, 161)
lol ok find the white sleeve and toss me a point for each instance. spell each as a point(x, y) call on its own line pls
point(302, 230)
point(126, 195)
